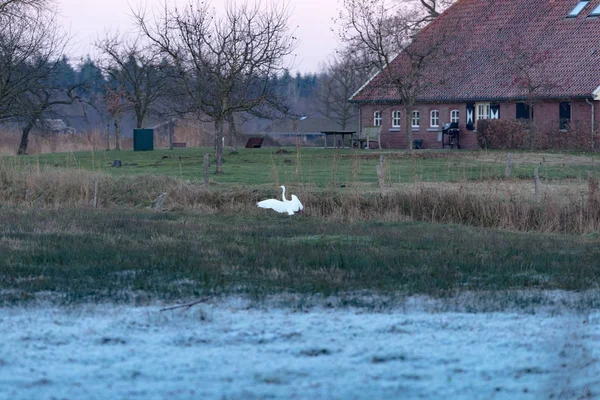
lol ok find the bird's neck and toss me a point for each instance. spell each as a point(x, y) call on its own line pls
point(283, 194)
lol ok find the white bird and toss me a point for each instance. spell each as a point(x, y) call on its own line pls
point(282, 206)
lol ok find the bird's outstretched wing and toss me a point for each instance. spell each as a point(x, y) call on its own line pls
point(273, 204)
point(296, 205)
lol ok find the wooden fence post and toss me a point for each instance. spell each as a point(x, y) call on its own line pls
point(171, 128)
point(508, 166)
point(536, 178)
point(95, 192)
point(381, 173)
point(206, 168)
point(180, 170)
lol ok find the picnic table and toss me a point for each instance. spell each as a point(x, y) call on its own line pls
point(335, 134)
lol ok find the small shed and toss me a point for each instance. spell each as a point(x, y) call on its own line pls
point(143, 139)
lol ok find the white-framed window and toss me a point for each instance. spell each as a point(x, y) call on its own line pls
point(416, 119)
point(483, 110)
point(434, 118)
point(377, 118)
point(454, 116)
point(396, 119)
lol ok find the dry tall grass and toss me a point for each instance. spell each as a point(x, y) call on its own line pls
point(497, 207)
point(53, 143)
point(192, 133)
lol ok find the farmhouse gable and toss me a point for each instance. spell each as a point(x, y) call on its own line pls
point(494, 47)
point(493, 59)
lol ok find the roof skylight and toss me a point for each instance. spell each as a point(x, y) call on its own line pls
point(578, 8)
point(595, 13)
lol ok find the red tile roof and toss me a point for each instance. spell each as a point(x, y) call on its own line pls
point(494, 49)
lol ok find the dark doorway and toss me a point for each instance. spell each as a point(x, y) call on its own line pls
point(523, 110)
point(565, 114)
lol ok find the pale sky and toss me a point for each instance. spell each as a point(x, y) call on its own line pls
point(87, 20)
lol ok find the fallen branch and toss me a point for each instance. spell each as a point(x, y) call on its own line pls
point(186, 306)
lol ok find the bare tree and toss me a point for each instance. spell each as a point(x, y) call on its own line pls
point(135, 72)
point(28, 41)
point(386, 31)
point(116, 103)
point(40, 101)
point(32, 49)
point(532, 75)
point(226, 64)
point(339, 82)
point(378, 30)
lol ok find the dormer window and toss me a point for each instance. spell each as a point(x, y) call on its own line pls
point(578, 8)
point(596, 12)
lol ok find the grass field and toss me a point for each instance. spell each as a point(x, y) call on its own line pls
point(443, 223)
point(129, 255)
point(319, 167)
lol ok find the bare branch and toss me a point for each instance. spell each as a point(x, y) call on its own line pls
point(187, 306)
point(134, 70)
point(19, 7)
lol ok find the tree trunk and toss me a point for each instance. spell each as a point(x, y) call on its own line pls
point(232, 133)
point(536, 178)
point(206, 169)
point(25, 138)
point(117, 135)
point(408, 109)
point(531, 126)
point(219, 144)
point(108, 136)
point(345, 118)
point(139, 121)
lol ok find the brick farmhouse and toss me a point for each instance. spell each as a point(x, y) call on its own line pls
point(494, 59)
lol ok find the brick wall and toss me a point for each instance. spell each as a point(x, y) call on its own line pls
point(393, 137)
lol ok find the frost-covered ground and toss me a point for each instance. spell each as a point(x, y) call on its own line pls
point(232, 349)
